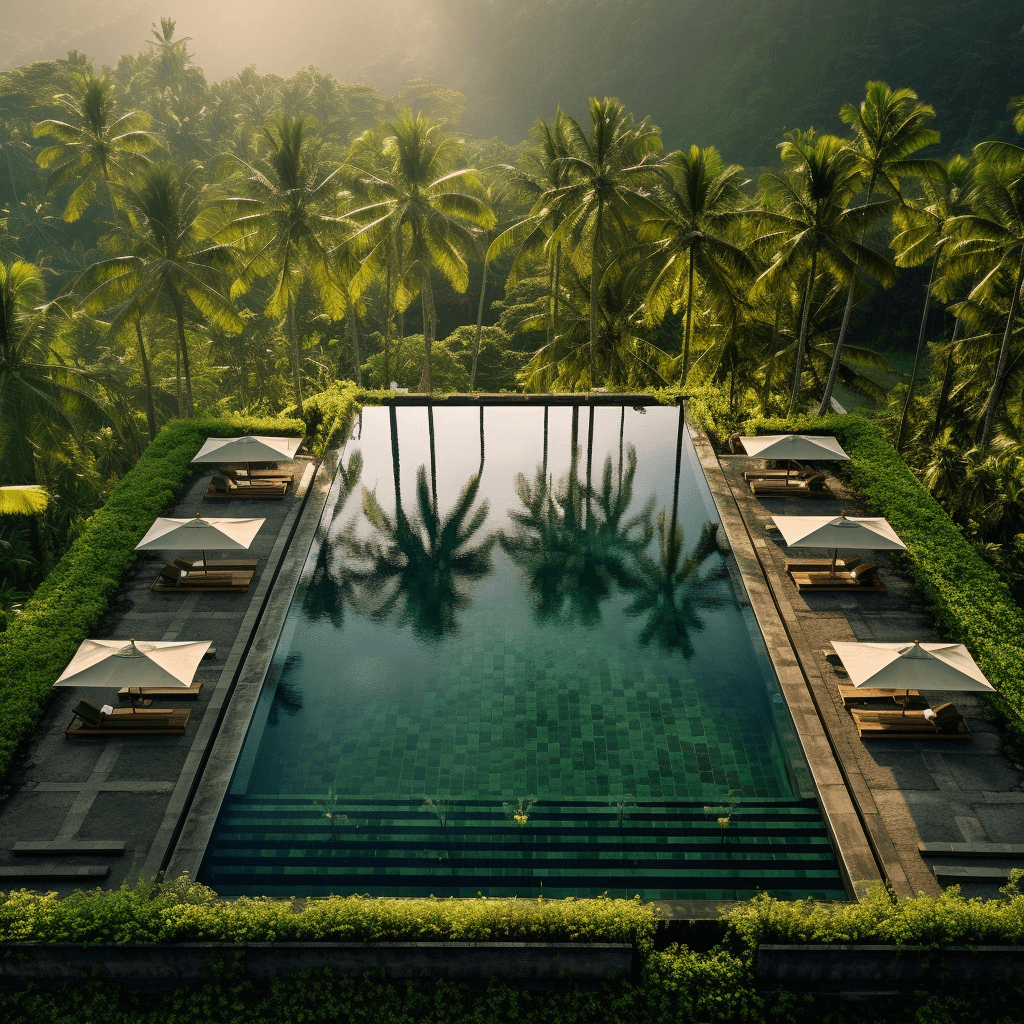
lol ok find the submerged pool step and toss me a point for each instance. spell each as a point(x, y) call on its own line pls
point(575, 846)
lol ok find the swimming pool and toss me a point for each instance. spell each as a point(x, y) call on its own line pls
point(504, 672)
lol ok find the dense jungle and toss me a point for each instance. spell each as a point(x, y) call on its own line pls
point(172, 246)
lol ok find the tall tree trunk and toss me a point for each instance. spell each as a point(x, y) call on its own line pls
point(766, 395)
point(147, 381)
point(389, 313)
point(555, 295)
point(179, 317)
point(805, 317)
point(293, 352)
point(688, 322)
point(353, 328)
point(551, 299)
point(833, 373)
point(1004, 357)
point(917, 354)
point(479, 325)
point(427, 300)
point(178, 393)
point(947, 382)
point(595, 281)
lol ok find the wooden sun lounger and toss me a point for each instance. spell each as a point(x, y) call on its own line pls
point(242, 475)
point(223, 488)
point(172, 579)
point(123, 722)
point(215, 566)
point(190, 692)
point(821, 564)
point(862, 579)
point(800, 473)
point(853, 695)
point(947, 724)
point(808, 487)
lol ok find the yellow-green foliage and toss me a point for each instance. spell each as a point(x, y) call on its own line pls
point(183, 911)
point(971, 604)
point(329, 413)
point(39, 643)
point(946, 920)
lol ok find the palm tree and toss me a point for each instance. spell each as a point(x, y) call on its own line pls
point(608, 169)
point(888, 127)
point(169, 259)
point(808, 222)
point(35, 388)
point(990, 241)
point(422, 209)
point(92, 144)
point(287, 226)
point(922, 236)
point(703, 207)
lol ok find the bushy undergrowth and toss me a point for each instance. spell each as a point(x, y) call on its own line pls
point(39, 642)
point(329, 414)
point(969, 601)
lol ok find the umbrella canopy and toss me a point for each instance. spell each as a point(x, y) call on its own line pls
point(911, 666)
point(797, 447)
point(248, 449)
point(838, 532)
point(130, 663)
point(199, 533)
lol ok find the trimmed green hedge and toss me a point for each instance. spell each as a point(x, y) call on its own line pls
point(39, 642)
point(329, 413)
point(969, 601)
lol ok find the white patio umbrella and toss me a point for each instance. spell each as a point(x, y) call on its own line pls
point(253, 448)
point(200, 534)
point(838, 532)
point(794, 447)
point(911, 666)
point(119, 663)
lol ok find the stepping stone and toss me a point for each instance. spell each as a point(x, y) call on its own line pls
point(959, 873)
point(53, 872)
point(972, 849)
point(61, 848)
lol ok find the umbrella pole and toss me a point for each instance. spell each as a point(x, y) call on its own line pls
point(835, 555)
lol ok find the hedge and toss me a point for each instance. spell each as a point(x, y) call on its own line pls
point(68, 604)
point(969, 601)
point(329, 414)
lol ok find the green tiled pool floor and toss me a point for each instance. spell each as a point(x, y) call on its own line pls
point(289, 848)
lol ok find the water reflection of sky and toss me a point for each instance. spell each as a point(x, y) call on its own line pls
point(491, 671)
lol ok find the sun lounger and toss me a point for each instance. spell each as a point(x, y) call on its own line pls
point(172, 578)
point(800, 473)
point(941, 723)
point(223, 488)
point(854, 695)
point(255, 475)
point(821, 564)
point(861, 579)
point(809, 487)
point(191, 692)
point(224, 565)
point(123, 722)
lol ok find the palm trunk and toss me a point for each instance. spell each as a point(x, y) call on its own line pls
point(479, 325)
point(947, 382)
point(771, 361)
point(147, 381)
point(833, 373)
point(555, 292)
point(179, 317)
point(551, 299)
point(1004, 357)
point(427, 299)
point(389, 314)
point(595, 281)
point(688, 322)
point(805, 318)
point(293, 352)
point(353, 328)
point(917, 354)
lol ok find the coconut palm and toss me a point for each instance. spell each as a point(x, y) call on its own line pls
point(808, 221)
point(703, 204)
point(286, 223)
point(36, 388)
point(889, 126)
point(423, 209)
point(169, 259)
point(609, 171)
point(93, 144)
point(922, 236)
point(990, 241)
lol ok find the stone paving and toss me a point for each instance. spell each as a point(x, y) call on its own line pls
point(130, 788)
point(923, 790)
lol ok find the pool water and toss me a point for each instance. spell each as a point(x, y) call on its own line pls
point(503, 671)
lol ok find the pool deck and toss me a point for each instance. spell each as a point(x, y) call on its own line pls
point(160, 795)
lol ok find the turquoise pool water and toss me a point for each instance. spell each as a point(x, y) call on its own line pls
point(504, 672)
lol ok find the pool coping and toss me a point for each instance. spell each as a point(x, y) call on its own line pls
point(863, 847)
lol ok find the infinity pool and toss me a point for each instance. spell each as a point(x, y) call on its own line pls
point(503, 671)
